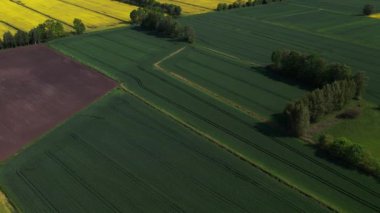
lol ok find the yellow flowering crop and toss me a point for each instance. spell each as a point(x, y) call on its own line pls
point(376, 15)
point(195, 7)
point(5, 28)
point(18, 16)
point(66, 13)
point(109, 7)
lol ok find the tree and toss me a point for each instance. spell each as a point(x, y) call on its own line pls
point(360, 80)
point(298, 118)
point(79, 27)
point(38, 34)
point(8, 40)
point(21, 38)
point(276, 59)
point(189, 34)
point(368, 9)
point(54, 29)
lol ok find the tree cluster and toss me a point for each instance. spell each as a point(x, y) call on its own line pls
point(309, 69)
point(320, 102)
point(166, 26)
point(242, 3)
point(351, 154)
point(369, 9)
point(46, 31)
point(170, 9)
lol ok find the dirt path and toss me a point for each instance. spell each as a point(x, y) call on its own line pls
point(206, 91)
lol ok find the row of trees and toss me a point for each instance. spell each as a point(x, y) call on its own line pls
point(46, 31)
point(167, 26)
point(351, 154)
point(310, 69)
point(170, 9)
point(242, 3)
point(320, 102)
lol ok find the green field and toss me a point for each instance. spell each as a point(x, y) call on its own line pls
point(364, 130)
point(253, 33)
point(286, 158)
point(240, 82)
point(156, 163)
point(120, 155)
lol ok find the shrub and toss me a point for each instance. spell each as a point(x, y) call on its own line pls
point(350, 153)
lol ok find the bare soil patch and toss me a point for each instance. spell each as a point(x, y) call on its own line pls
point(39, 88)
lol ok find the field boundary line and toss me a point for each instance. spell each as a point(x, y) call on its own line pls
point(320, 9)
point(225, 147)
point(206, 91)
point(6, 203)
point(232, 57)
point(10, 25)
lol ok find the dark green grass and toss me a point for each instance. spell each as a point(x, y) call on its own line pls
point(363, 130)
point(285, 158)
point(120, 155)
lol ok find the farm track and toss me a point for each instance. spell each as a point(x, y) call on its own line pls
point(230, 91)
point(231, 133)
point(212, 94)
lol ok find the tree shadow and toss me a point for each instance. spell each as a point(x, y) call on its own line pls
point(155, 34)
point(270, 73)
point(274, 127)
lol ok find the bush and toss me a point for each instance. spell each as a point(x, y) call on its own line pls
point(350, 153)
point(368, 9)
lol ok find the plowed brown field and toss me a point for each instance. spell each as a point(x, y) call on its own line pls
point(40, 88)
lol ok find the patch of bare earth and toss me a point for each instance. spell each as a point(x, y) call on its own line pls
point(39, 88)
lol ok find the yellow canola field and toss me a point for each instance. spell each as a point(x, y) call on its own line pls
point(376, 15)
point(109, 7)
point(5, 28)
point(190, 7)
point(66, 13)
point(18, 16)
